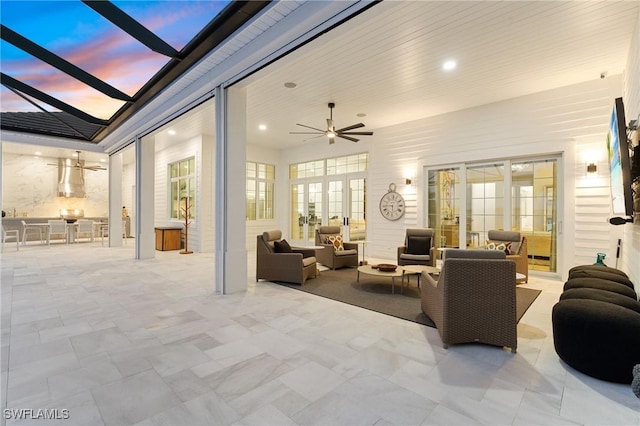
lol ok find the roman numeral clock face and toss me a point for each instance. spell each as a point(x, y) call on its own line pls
point(392, 204)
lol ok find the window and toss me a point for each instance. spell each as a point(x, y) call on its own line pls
point(260, 190)
point(183, 188)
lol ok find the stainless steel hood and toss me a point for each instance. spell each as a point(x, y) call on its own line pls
point(70, 178)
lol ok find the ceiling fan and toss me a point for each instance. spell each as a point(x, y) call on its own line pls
point(78, 164)
point(331, 132)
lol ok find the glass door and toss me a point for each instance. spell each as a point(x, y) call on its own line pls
point(517, 195)
point(443, 205)
point(347, 208)
point(534, 210)
point(485, 202)
point(306, 211)
point(357, 222)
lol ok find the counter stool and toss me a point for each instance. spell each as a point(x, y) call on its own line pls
point(10, 235)
point(26, 228)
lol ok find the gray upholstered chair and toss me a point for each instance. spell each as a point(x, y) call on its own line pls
point(331, 256)
point(474, 299)
point(518, 250)
point(292, 267)
point(419, 247)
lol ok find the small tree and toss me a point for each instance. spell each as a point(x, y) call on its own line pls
point(185, 214)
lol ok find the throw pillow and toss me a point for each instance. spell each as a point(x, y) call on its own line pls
point(499, 245)
point(335, 241)
point(282, 247)
point(418, 245)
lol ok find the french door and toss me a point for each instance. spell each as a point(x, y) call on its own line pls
point(465, 201)
point(343, 204)
point(306, 210)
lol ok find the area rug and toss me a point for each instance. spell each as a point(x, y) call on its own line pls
point(374, 293)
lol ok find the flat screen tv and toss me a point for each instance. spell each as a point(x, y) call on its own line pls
point(619, 163)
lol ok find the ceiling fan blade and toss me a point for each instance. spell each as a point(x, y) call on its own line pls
point(315, 137)
point(357, 133)
point(306, 133)
point(353, 126)
point(349, 138)
point(309, 127)
point(94, 168)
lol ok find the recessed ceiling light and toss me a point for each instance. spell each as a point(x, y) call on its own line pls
point(172, 132)
point(290, 85)
point(102, 160)
point(262, 127)
point(37, 153)
point(361, 114)
point(449, 65)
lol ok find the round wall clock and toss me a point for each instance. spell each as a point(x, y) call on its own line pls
point(392, 204)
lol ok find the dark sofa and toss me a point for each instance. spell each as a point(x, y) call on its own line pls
point(596, 323)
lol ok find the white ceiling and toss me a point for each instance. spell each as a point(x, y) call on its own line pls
point(387, 62)
point(89, 157)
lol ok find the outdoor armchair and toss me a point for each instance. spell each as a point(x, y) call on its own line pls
point(295, 266)
point(336, 253)
point(474, 298)
point(517, 252)
point(419, 248)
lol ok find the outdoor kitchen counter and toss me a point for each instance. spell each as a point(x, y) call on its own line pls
point(16, 223)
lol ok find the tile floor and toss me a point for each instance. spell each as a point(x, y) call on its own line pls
point(122, 342)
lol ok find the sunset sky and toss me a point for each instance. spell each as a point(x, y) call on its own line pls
point(76, 33)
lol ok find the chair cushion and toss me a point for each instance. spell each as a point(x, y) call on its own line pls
point(607, 285)
point(473, 254)
point(603, 274)
point(282, 247)
point(504, 246)
point(603, 296)
point(308, 261)
point(271, 235)
point(335, 241)
point(346, 252)
point(407, 256)
point(418, 245)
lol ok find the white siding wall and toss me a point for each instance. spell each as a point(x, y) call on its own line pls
point(254, 227)
point(173, 153)
point(128, 197)
point(630, 256)
point(206, 195)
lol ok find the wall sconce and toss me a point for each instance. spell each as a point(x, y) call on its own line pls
point(407, 181)
point(592, 169)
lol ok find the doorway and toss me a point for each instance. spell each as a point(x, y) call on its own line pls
point(519, 195)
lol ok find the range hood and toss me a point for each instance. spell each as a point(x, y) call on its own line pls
point(70, 179)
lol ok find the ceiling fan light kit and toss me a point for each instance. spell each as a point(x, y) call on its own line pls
point(331, 132)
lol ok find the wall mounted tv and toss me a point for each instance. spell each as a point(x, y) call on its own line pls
point(619, 163)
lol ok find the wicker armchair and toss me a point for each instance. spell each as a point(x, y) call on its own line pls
point(419, 248)
point(474, 299)
point(294, 267)
point(518, 249)
point(329, 256)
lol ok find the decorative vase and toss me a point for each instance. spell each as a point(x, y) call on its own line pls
point(600, 259)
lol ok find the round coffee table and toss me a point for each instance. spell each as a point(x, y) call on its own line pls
point(368, 270)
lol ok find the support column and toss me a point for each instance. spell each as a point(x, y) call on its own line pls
point(115, 200)
point(145, 194)
point(231, 252)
